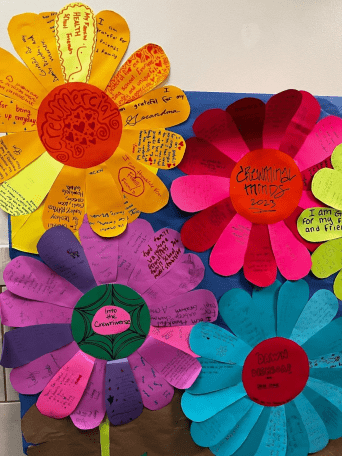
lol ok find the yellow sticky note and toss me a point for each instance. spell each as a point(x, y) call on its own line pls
point(17, 151)
point(327, 187)
point(16, 116)
point(36, 45)
point(161, 108)
point(49, 17)
point(142, 72)
point(320, 224)
point(111, 43)
point(105, 206)
point(327, 259)
point(65, 203)
point(76, 36)
point(141, 187)
point(159, 148)
point(23, 193)
point(17, 81)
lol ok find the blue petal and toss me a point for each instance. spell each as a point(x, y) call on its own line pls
point(213, 430)
point(246, 435)
point(265, 301)
point(211, 341)
point(297, 438)
point(327, 361)
point(292, 299)
point(318, 313)
point(325, 341)
point(204, 406)
point(274, 440)
point(332, 376)
point(316, 431)
point(215, 376)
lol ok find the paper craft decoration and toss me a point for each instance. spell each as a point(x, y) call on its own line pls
point(81, 126)
point(322, 223)
point(264, 389)
point(249, 170)
point(103, 325)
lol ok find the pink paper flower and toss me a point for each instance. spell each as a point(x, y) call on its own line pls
point(249, 178)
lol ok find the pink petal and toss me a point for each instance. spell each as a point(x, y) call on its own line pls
point(64, 391)
point(228, 254)
point(195, 193)
point(301, 124)
point(308, 200)
point(291, 223)
point(260, 266)
point(280, 109)
point(155, 391)
point(218, 128)
point(292, 257)
point(202, 158)
point(308, 174)
point(178, 368)
point(18, 312)
point(176, 337)
point(91, 409)
point(321, 142)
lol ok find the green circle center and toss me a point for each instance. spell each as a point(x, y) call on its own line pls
point(113, 346)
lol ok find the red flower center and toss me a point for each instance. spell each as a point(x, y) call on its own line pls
point(79, 125)
point(265, 186)
point(275, 372)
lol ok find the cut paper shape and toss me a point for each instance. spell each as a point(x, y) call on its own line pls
point(62, 252)
point(200, 305)
point(213, 342)
point(65, 203)
point(330, 376)
point(91, 409)
point(75, 36)
point(336, 158)
point(106, 217)
point(326, 186)
point(16, 116)
point(178, 368)
point(32, 378)
point(327, 340)
point(320, 224)
point(102, 254)
point(111, 43)
point(328, 360)
point(17, 312)
point(195, 193)
point(122, 396)
point(23, 193)
point(177, 337)
point(27, 230)
point(111, 314)
point(163, 251)
point(49, 18)
point(308, 174)
point(156, 393)
point(64, 391)
point(31, 279)
point(160, 148)
point(291, 223)
point(146, 68)
point(338, 285)
point(265, 300)
point(308, 200)
point(276, 432)
point(35, 44)
point(327, 259)
point(163, 108)
point(79, 125)
point(23, 345)
point(297, 438)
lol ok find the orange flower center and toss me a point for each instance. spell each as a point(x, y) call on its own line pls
point(79, 125)
point(266, 186)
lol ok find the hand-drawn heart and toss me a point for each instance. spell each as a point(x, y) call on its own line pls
point(138, 55)
point(84, 141)
point(159, 64)
point(181, 144)
point(92, 125)
point(68, 125)
point(130, 182)
point(80, 127)
point(70, 137)
point(93, 141)
point(77, 115)
point(88, 116)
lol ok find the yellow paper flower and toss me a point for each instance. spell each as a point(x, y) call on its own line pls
point(85, 140)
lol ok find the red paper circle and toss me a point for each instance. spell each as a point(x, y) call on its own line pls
point(265, 186)
point(79, 125)
point(275, 372)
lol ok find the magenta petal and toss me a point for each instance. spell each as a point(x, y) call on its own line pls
point(176, 337)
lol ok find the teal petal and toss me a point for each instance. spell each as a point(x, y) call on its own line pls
point(265, 301)
point(292, 299)
point(274, 440)
point(327, 340)
point(297, 437)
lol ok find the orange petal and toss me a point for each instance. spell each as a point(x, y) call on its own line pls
point(112, 40)
point(16, 116)
point(105, 206)
point(32, 39)
point(49, 17)
point(131, 212)
point(143, 71)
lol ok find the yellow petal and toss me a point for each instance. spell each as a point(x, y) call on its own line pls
point(162, 108)
point(16, 116)
point(105, 207)
point(131, 212)
point(27, 230)
point(65, 203)
point(159, 148)
point(36, 45)
point(17, 81)
point(111, 43)
point(23, 193)
point(49, 17)
point(143, 71)
point(141, 187)
point(17, 151)
point(75, 36)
